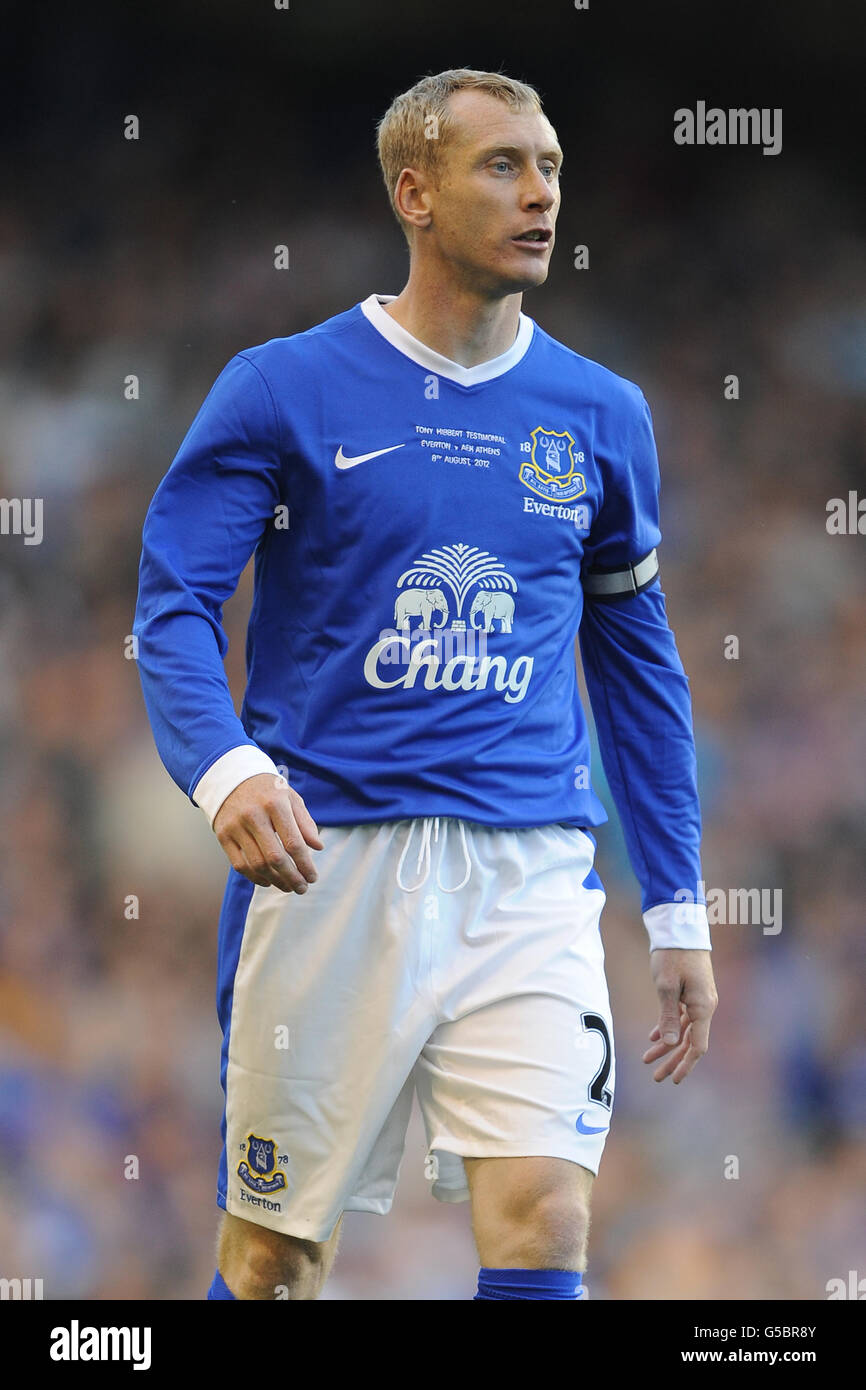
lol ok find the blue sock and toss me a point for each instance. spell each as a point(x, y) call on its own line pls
point(220, 1289)
point(529, 1283)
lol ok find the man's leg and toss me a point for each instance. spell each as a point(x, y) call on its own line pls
point(315, 1119)
point(257, 1263)
point(530, 1214)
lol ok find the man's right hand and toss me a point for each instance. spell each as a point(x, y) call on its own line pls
point(265, 828)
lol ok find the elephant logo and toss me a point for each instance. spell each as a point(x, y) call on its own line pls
point(420, 603)
point(557, 477)
point(459, 568)
point(492, 605)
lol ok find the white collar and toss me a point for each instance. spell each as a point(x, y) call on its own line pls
point(443, 366)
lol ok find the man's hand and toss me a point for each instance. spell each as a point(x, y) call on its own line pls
point(687, 993)
point(265, 828)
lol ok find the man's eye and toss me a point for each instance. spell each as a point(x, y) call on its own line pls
point(502, 164)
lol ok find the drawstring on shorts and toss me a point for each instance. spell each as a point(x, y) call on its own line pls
point(432, 823)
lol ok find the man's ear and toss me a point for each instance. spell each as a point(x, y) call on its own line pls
point(412, 198)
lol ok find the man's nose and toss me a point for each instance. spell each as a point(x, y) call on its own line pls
point(540, 192)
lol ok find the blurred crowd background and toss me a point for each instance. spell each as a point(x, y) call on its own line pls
point(155, 258)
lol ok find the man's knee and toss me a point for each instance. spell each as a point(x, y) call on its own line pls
point(258, 1263)
point(550, 1226)
point(532, 1216)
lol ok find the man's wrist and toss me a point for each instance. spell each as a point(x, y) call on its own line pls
point(678, 926)
point(227, 773)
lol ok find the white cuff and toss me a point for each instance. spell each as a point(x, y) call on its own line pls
point(227, 773)
point(682, 926)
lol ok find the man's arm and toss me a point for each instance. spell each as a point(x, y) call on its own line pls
point(640, 699)
point(209, 513)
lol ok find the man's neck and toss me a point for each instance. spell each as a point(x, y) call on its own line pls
point(460, 325)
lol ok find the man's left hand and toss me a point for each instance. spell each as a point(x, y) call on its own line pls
point(688, 999)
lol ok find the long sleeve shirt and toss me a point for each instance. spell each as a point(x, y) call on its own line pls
point(428, 543)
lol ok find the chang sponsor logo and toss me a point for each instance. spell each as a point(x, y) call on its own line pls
point(459, 595)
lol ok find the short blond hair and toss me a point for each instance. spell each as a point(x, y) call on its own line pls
point(418, 123)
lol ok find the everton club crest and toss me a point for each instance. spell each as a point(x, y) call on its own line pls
point(551, 469)
point(258, 1170)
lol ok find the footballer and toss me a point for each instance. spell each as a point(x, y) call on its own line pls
point(441, 500)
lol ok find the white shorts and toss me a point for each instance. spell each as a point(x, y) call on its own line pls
point(479, 984)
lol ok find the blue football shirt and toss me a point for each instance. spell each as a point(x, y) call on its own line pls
point(420, 532)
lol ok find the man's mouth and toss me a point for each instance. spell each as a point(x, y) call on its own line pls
point(536, 237)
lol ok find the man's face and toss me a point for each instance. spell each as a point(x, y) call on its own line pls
point(497, 180)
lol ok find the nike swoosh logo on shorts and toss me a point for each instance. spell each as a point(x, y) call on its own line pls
point(342, 461)
point(587, 1129)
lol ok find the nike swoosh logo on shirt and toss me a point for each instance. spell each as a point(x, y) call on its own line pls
point(343, 461)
